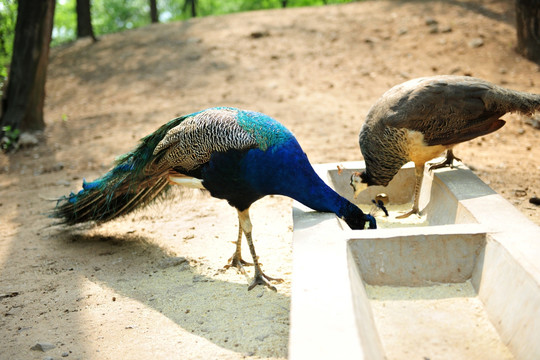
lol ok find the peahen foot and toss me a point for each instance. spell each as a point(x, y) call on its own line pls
point(407, 214)
point(449, 161)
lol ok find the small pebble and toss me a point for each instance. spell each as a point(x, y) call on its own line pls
point(42, 346)
point(172, 261)
point(534, 121)
point(431, 21)
point(370, 40)
point(259, 34)
point(193, 57)
point(262, 337)
point(535, 200)
point(28, 140)
point(57, 167)
point(476, 43)
point(446, 29)
point(520, 192)
point(63, 183)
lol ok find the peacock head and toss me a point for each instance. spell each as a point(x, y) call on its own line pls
point(357, 220)
point(360, 182)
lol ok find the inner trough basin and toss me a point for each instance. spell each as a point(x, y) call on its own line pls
point(463, 282)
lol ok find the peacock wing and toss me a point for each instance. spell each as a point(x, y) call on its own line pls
point(191, 143)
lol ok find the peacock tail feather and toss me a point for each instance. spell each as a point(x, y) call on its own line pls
point(132, 182)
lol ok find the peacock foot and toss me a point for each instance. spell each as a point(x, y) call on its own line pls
point(238, 262)
point(261, 278)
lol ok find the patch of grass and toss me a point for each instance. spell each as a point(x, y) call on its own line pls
point(9, 139)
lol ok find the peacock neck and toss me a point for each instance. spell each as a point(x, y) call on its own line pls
point(286, 170)
point(320, 197)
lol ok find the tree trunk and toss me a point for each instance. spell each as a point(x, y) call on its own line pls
point(528, 28)
point(193, 5)
point(154, 16)
point(84, 20)
point(23, 105)
point(193, 8)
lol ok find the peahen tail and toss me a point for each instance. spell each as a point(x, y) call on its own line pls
point(135, 181)
point(515, 101)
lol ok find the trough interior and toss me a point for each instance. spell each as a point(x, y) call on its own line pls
point(439, 197)
point(422, 284)
point(423, 293)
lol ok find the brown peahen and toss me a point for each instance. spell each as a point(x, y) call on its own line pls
point(421, 118)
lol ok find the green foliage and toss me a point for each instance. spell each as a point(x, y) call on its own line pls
point(8, 18)
point(9, 140)
point(65, 22)
point(109, 16)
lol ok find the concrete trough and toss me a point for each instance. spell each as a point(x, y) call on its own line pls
point(465, 287)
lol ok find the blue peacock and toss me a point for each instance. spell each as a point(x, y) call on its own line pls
point(237, 155)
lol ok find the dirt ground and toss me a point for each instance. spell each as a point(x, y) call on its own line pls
point(151, 285)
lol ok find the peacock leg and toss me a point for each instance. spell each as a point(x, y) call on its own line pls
point(236, 259)
point(449, 161)
point(419, 175)
point(259, 278)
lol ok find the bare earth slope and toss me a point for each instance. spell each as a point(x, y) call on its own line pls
point(151, 285)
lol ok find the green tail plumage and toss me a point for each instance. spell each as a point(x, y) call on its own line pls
point(134, 181)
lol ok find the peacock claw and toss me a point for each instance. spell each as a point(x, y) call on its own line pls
point(262, 279)
point(238, 263)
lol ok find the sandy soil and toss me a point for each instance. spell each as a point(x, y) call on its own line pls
point(151, 285)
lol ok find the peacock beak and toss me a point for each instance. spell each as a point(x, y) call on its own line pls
point(357, 184)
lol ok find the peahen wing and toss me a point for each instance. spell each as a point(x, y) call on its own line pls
point(446, 110)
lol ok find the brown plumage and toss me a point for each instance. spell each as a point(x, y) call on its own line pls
point(421, 118)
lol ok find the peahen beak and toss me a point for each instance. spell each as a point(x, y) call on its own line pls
point(357, 184)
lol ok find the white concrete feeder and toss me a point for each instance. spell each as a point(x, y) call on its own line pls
point(465, 287)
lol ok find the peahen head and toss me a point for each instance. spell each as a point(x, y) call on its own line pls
point(360, 182)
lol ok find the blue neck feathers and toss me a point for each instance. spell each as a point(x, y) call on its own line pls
point(284, 169)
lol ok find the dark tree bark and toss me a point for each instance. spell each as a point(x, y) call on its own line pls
point(283, 3)
point(193, 5)
point(25, 95)
point(84, 20)
point(154, 15)
point(528, 28)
